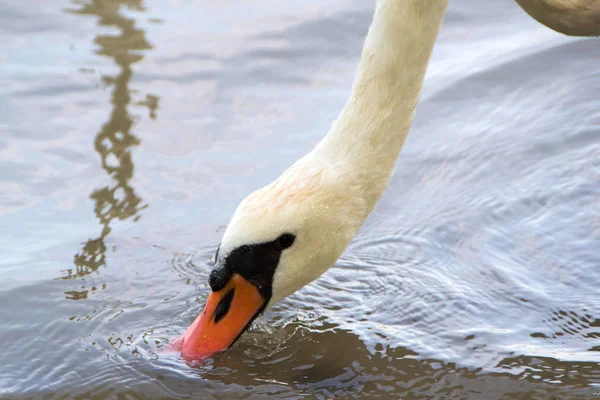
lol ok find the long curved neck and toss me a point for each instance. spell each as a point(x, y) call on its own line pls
point(369, 133)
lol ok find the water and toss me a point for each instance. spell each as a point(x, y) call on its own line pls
point(130, 130)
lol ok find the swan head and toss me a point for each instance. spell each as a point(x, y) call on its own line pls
point(281, 237)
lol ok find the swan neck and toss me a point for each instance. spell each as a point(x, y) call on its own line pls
point(374, 123)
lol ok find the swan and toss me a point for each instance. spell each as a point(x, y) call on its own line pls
point(288, 233)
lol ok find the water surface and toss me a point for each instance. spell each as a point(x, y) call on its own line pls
point(130, 130)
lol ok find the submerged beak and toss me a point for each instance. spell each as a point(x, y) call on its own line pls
point(226, 315)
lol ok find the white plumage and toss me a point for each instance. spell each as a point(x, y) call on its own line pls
point(326, 196)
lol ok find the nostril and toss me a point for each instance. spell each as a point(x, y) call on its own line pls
point(218, 278)
point(223, 306)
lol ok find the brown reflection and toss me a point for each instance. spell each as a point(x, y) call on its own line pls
point(115, 140)
point(330, 362)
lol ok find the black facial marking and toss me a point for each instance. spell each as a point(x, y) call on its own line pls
point(223, 306)
point(254, 262)
point(218, 278)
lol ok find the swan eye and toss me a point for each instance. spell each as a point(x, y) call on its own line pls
point(286, 240)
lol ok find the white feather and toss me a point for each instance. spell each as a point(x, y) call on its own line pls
point(326, 196)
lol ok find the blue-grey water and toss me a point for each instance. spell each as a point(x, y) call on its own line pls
point(130, 130)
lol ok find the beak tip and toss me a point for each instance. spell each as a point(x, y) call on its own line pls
point(176, 343)
point(188, 354)
point(225, 316)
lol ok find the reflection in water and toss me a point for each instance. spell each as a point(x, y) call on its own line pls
point(115, 140)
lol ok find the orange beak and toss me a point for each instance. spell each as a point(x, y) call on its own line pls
point(226, 315)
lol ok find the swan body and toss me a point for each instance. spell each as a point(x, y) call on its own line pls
point(571, 17)
point(288, 233)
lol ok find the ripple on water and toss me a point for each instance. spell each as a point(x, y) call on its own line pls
point(194, 267)
point(476, 277)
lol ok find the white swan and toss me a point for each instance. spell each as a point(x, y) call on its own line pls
point(288, 233)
